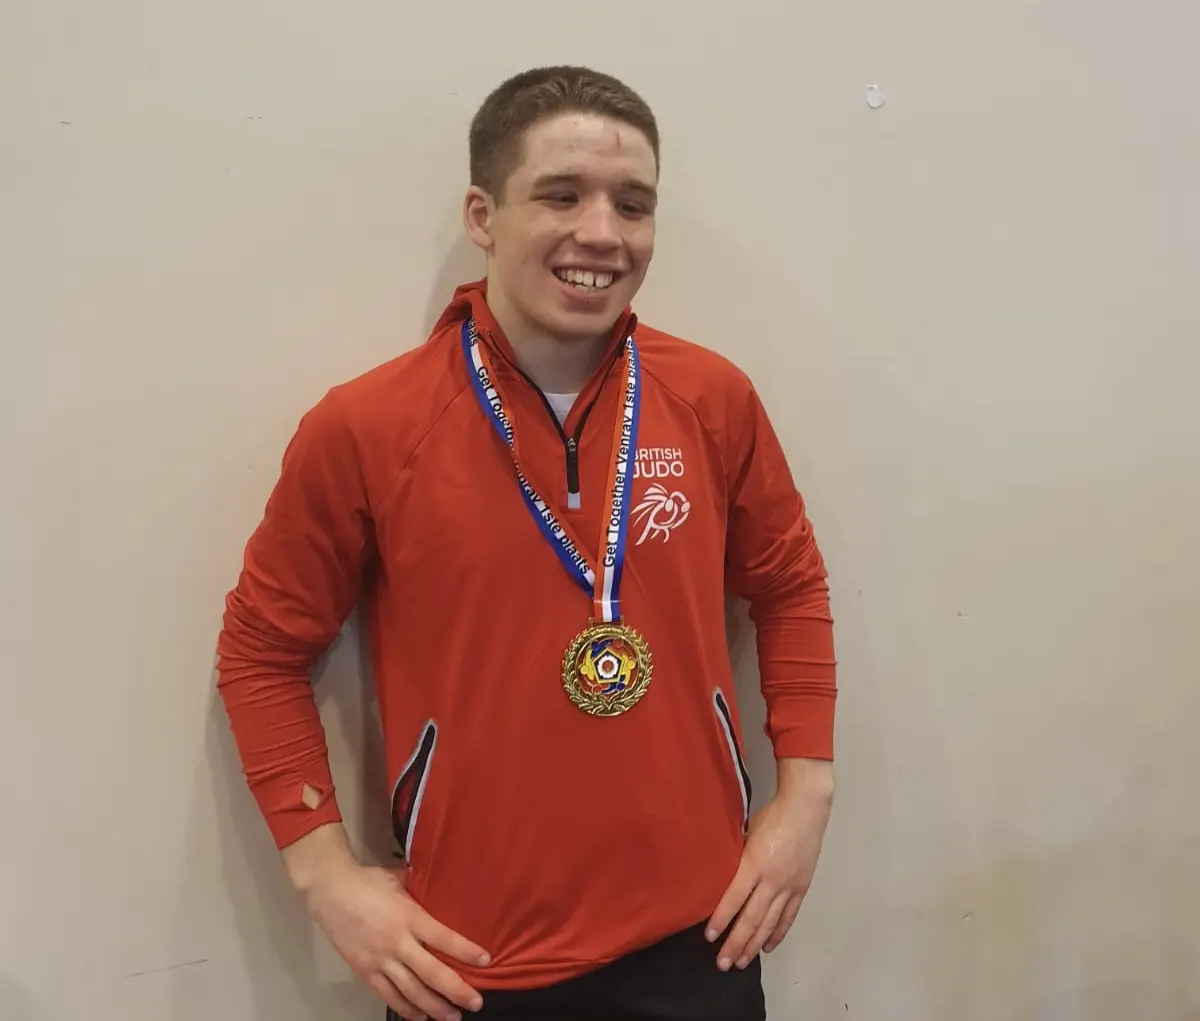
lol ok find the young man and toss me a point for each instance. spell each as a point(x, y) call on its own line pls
point(541, 508)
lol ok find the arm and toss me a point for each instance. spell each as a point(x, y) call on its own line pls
point(774, 562)
point(300, 579)
point(303, 571)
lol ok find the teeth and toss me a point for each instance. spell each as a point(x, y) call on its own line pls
point(585, 278)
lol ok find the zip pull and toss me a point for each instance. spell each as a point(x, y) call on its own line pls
point(574, 498)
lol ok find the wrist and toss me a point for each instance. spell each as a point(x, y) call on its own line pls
point(808, 779)
point(316, 856)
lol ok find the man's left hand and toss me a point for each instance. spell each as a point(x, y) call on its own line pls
point(778, 862)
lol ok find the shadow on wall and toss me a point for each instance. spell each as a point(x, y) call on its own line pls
point(15, 1004)
point(463, 264)
point(284, 956)
point(286, 960)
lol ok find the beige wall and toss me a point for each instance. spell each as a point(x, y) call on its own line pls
point(972, 312)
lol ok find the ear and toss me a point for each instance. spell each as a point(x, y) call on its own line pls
point(478, 210)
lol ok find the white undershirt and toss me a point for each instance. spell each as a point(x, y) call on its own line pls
point(561, 403)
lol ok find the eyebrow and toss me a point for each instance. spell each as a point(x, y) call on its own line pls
point(631, 184)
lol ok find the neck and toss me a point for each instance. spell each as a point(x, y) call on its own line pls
point(555, 364)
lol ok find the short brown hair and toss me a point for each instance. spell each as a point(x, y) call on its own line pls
point(498, 127)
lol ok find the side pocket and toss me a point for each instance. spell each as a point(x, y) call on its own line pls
point(410, 790)
point(725, 718)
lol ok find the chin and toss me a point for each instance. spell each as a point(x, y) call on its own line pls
point(578, 329)
point(585, 314)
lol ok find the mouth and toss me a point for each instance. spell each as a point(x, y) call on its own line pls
point(586, 280)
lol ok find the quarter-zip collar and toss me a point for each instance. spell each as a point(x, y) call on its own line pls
point(470, 300)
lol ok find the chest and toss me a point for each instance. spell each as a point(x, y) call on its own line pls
point(459, 518)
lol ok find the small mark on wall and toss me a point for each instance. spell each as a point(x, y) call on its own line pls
point(169, 967)
point(875, 97)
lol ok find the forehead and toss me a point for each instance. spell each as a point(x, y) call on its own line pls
point(583, 145)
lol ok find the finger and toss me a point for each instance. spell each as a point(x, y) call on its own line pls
point(731, 902)
point(784, 925)
point(440, 978)
point(400, 1006)
point(442, 938)
point(749, 919)
point(418, 994)
point(770, 920)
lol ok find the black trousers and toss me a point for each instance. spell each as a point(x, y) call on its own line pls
point(676, 979)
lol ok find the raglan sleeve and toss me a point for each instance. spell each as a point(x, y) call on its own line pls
point(773, 561)
point(301, 576)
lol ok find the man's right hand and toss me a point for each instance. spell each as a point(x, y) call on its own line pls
point(381, 932)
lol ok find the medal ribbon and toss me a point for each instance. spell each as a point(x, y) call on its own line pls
point(604, 585)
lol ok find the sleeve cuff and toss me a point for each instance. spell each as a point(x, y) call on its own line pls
point(800, 725)
point(293, 806)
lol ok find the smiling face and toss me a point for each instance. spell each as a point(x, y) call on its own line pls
point(572, 236)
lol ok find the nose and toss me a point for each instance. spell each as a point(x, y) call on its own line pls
point(598, 225)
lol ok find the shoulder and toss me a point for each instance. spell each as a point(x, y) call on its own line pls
point(413, 384)
point(385, 412)
point(716, 389)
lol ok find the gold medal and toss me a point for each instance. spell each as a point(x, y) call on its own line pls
point(607, 668)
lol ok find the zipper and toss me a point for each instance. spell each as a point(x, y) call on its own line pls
point(573, 495)
point(741, 774)
point(571, 442)
point(409, 791)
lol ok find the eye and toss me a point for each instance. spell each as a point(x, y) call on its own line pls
point(634, 210)
point(559, 198)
